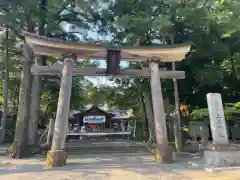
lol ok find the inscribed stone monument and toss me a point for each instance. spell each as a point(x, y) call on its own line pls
point(217, 119)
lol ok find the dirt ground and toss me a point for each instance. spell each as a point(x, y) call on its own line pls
point(112, 167)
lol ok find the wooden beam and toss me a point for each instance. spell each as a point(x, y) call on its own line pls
point(61, 121)
point(57, 156)
point(93, 71)
point(177, 120)
point(53, 47)
point(159, 114)
point(113, 61)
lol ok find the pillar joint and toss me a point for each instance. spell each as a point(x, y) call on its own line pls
point(154, 60)
point(69, 56)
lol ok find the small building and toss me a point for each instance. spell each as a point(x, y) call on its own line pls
point(96, 120)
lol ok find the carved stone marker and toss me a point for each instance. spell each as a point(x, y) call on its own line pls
point(220, 153)
point(217, 119)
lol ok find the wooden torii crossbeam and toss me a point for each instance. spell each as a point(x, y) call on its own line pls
point(53, 47)
point(56, 69)
point(40, 45)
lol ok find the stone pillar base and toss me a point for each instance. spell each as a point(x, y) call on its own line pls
point(222, 155)
point(165, 155)
point(56, 159)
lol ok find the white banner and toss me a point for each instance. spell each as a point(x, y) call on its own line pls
point(92, 119)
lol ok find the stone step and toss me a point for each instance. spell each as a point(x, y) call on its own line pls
point(108, 149)
point(107, 152)
point(104, 147)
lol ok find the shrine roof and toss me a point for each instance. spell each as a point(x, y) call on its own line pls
point(94, 110)
point(54, 47)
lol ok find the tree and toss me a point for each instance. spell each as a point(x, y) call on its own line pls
point(18, 18)
point(209, 25)
point(6, 81)
point(37, 81)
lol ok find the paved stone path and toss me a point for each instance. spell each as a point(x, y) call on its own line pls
point(111, 167)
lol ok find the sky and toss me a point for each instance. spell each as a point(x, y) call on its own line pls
point(101, 80)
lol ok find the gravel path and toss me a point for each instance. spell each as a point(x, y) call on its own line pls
point(110, 167)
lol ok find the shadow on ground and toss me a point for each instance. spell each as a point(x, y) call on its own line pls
point(102, 164)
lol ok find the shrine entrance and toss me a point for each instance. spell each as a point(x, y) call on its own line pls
point(95, 123)
point(70, 52)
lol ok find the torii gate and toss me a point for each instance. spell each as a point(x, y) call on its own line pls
point(70, 52)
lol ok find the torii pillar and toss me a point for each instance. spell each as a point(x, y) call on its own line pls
point(163, 152)
point(57, 156)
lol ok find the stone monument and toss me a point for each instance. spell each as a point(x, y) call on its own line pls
point(220, 152)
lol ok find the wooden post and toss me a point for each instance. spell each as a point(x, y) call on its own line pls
point(57, 156)
point(50, 131)
point(110, 122)
point(163, 153)
point(78, 125)
point(113, 61)
point(34, 110)
point(177, 120)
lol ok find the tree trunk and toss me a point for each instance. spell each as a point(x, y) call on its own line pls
point(15, 101)
point(146, 132)
point(170, 129)
point(149, 111)
point(6, 79)
point(36, 86)
point(50, 132)
point(147, 103)
point(19, 148)
point(177, 120)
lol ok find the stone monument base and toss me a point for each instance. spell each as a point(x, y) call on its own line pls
point(56, 159)
point(222, 155)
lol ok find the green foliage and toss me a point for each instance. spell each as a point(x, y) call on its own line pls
point(139, 136)
point(20, 16)
point(230, 113)
point(237, 105)
point(212, 26)
point(199, 114)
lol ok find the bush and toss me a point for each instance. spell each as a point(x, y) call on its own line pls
point(237, 105)
point(199, 114)
point(231, 113)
